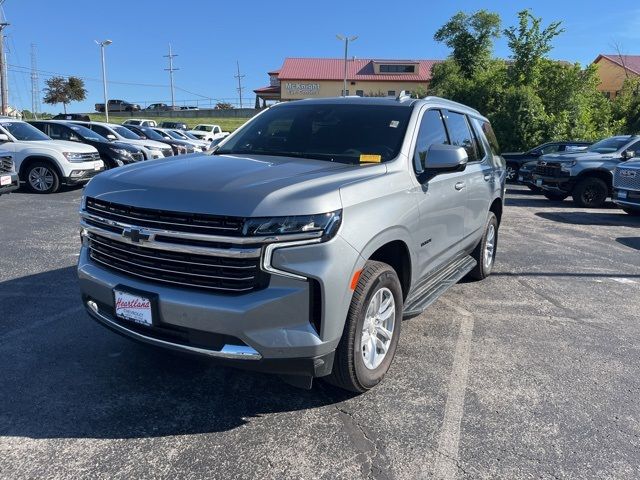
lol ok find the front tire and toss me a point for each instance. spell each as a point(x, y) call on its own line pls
point(485, 252)
point(590, 192)
point(371, 331)
point(42, 177)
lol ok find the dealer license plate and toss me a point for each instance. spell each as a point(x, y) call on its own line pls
point(520, 178)
point(539, 182)
point(98, 164)
point(132, 307)
point(622, 194)
point(5, 180)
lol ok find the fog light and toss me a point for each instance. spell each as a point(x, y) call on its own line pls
point(77, 173)
point(93, 305)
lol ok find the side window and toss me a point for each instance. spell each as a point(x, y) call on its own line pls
point(432, 132)
point(550, 149)
point(58, 132)
point(461, 135)
point(635, 148)
point(487, 129)
point(476, 138)
point(101, 130)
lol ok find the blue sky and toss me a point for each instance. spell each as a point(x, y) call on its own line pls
point(209, 36)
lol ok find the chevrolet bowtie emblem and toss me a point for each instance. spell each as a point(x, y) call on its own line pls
point(135, 235)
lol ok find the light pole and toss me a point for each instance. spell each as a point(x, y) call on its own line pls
point(103, 44)
point(346, 40)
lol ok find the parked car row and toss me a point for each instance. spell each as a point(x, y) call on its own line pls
point(589, 173)
point(203, 131)
point(116, 105)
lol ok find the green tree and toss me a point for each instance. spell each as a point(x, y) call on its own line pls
point(529, 44)
point(64, 90)
point(470, 38)
point(626, 107)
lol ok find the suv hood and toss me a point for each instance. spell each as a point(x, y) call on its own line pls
point(231, 185)
point(145, 143)
point(580, 156)
point(61, 146)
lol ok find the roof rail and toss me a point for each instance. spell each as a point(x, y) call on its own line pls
point(403, 96)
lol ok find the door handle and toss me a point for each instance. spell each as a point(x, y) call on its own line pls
point(459, 185)
point(488, 177)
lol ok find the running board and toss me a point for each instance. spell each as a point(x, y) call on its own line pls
point(429, 291)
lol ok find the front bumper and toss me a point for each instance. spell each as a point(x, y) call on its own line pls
point(272, 329)
point(626, 198)
point(14, 185)
point(557, 183)
point(86, 176)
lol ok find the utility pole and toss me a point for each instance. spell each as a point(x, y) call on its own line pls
point(171, 70)
point(4, 91)
point(346, 40)
point(240, 87)
point(35, 87)
point(102, 44)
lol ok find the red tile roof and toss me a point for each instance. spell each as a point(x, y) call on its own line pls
point(357, 69)
point(632, 62)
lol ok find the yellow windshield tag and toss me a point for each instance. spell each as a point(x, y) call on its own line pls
point(370, 158)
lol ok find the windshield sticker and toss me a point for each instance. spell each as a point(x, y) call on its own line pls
point(394, 124)
point(370, 158)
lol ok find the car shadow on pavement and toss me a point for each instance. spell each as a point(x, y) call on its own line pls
point(615, 218)
point(65, 376)
point(631, 242)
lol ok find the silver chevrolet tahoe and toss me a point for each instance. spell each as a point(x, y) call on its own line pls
point(299, 245)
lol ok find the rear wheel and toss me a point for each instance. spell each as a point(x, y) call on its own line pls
point(371, 331)
point(555, 196)
point(42, 177)
point(590, 192)
point(485, 252)
point(632, 211)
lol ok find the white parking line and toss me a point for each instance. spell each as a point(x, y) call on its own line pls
point(446, 465)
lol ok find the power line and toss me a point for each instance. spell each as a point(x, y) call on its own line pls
point(240, 87)
point(171, 69)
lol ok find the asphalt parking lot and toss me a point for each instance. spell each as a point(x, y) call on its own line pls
point(533, 373)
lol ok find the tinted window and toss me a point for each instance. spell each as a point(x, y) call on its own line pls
point(100, 130)
point(432, 132)
point(635, 148)
point(609, 145)
point(460, 135)
point(59, 132)
point(551, 149)
point(491, 137)
point(126, 133)
point(347, 133)
point(476, 139)
point(24, 132)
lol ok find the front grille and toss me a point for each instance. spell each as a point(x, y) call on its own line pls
point(628, 182)
point(548, 170)
point(218, 273)
point(167, 152)
point(6, 165)
point(166, 220)
point(87, 157)
point(137, 157)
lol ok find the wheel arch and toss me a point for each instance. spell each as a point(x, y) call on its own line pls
point(395, 253)
point(497, 207)
point(29, 160)
point(602, 174)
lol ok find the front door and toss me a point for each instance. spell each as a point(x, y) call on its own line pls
point(441, 200)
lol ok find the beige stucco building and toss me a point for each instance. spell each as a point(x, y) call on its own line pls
point(614, 69)
point(300, 78)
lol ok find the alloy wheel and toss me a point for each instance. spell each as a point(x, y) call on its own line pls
point(377, 330)
point(41, 179)
point(490, 246)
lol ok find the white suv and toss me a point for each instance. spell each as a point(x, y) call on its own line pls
point(207, 132)
point(45, 164)
point(140, 122)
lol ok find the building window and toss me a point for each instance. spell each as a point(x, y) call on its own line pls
point(397, 68)
point(360, 93)
point(391, 93)
point(607, 95)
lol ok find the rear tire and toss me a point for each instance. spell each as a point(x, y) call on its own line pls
point(42, 177)
point(632, 211)
point(485, 252)
point(358, 364)
point(591, 192)
point(555, 196)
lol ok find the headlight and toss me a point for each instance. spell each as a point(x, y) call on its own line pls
point(121, 152)
point(75, 157)
point(328, 223)
point(566, 167)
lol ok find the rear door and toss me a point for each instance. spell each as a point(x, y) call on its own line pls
point(441, 199)
point(478, 177)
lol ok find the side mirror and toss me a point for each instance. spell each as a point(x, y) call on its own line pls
point(73, 138)
point(111, 136)
point(443, 159)
point(4, 137)
point(628, 154)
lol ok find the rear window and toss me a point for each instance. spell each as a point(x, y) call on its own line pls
point(346, 133)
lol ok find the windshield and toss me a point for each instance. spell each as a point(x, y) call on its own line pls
point(609, 145)
point(87, 134)
point(347, 133)
point(24, 132)
point(163, 134)
point(203, 128)
point(188, 135)
point(176, 135)
point(151, 134)
point(126, 133)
